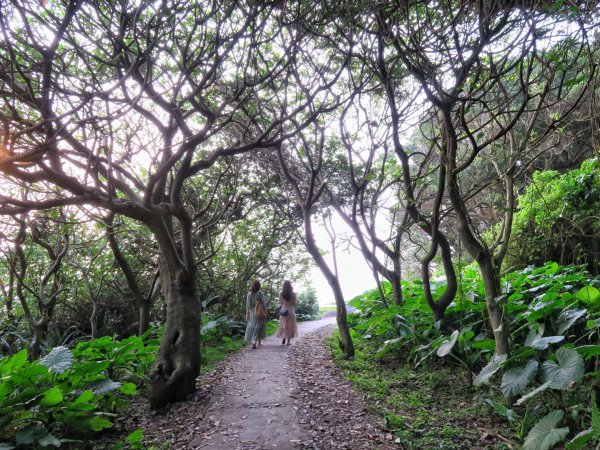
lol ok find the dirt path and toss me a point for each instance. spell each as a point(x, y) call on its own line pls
point(275, 397)
point(254, 405)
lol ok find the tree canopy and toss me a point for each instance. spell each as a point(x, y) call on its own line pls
point(156, 157)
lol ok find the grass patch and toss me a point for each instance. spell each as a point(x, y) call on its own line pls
point(212, 353)
point(430, 407)
point(272, 326)
point(325, 309)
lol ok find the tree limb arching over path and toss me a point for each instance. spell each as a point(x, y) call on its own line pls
point(117, 108)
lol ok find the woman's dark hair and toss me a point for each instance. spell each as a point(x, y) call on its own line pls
point(255, 287)
point(287, 291)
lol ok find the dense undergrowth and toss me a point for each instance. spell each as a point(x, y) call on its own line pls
point(73, 394)
point(426, 408)
point(441, 380)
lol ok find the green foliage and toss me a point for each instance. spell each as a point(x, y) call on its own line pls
point(272, 326)
point(493, 366)
point(545, 434)
point(566, 372)
point(424, 407)
point(214, 328)
point(407, 330)
point(69, 393)
point(517, 378)
point(222, 336)
point(546, 309)
point(518, 423)
point(133, 441)
point(217, 351)
point(59, 360)
point(554, 328)
point(307, 307)
point(326, 309)
point(398, 326)
point(557, 218)
point(129, 358)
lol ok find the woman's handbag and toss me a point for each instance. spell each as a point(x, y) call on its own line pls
point(259, 309)
point(283, 312)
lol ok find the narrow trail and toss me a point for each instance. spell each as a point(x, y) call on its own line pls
point(254, 406)
point(275, 397)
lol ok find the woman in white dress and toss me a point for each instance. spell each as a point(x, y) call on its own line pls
point(287, 315)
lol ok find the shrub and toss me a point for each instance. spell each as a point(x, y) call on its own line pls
point(69, 393)
point(557, 219)
point(307, 307)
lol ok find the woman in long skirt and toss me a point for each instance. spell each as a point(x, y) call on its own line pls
point(287, 315)
point(255, 329)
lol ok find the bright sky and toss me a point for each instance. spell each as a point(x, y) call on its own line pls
point(355, 275)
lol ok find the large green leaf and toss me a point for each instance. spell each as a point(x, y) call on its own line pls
point(387, 345)
point(544, 435)
point(567, 318)
point(490, 369)
point(535, 340)
point(102, 387)
point(98, 423)
point(84, 397)
point(128, 389)
point(446, 346)
point(503, 411)
point(52, 397)
point(49, 439)
point(589, 295)
point(581, 439)
point(30, 374)
point(552, 269)
point(135, 436)
point(588, 351)
point(30, 434)
point(59, 360)
point(595, 418)
point(567, 373)
point(485, 344)
point(210, 325)
point(12, 363)
point(516, 379)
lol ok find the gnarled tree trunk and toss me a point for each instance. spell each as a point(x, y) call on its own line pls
point(395, 279)
point(178, 361)
point(482, 255)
